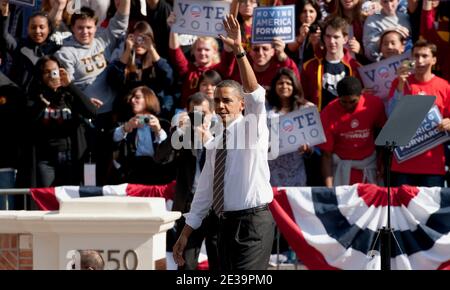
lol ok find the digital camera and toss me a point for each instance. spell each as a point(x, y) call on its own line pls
point(145, 119)
point(54, 74)
point(196, 118)
point(140, 40)
point(313, 28)
point(410, 64)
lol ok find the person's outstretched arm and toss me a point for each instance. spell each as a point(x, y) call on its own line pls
point(174, 42)
point(124, 7)
point(56, 13)
point(427, 23)
point(233, 40)
point(5, 37)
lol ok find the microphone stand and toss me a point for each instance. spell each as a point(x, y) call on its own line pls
point(385, 232)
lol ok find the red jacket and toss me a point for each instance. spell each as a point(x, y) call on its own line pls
point(191, 73)
point(312, 73)
point(429, 33)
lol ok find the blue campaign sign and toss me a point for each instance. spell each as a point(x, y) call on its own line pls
point(271, 22)
point(427, 136)
point(31, 3)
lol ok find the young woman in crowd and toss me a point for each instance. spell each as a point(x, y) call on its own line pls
point(392, 43)
point(208, 82)
point(26, 52)
point(141, 65)
point(285, 96)
point(308, 37)
point(57, 111)
point(138, 139)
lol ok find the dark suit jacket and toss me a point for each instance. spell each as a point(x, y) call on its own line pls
point(12, 121)
point(185, 163)
point(153, 172)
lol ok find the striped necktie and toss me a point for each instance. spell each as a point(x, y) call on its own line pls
point(219, 174)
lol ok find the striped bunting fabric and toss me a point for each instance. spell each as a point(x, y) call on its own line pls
point(331, 229)
point(49, 198)
point(338, 228)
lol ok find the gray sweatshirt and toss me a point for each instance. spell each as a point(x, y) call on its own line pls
point(374, 27)
point(86, 64)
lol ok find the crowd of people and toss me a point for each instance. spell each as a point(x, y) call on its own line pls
point(110, 86)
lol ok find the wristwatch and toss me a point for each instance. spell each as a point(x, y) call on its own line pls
point(241, 54)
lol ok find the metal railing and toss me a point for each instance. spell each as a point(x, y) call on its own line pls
point(6, 192)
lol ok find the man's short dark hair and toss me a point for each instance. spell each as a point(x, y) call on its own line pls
point(197, 99)
point(231, 84)
point(212, 76)
point(85, 13)
point(337, 23)
point(422, 43)
point(349, 86)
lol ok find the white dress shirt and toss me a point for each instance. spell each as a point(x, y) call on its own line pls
point(247, 175)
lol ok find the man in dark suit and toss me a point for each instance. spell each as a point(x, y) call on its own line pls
point(189, 161)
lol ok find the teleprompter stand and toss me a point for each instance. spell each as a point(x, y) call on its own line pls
point(401, 126)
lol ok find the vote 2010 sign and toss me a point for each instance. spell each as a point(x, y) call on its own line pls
point(270, 22)
point(379, 76)
point(297, 128)
point(200, 17)
point(426, 137)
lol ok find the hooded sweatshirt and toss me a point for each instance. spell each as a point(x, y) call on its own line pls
point(86, 64)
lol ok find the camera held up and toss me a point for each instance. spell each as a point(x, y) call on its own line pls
point(140, 40)
point(54, 74)
point(145, 119)
point(313, 28)
point(410, 64)
point(196, 119)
